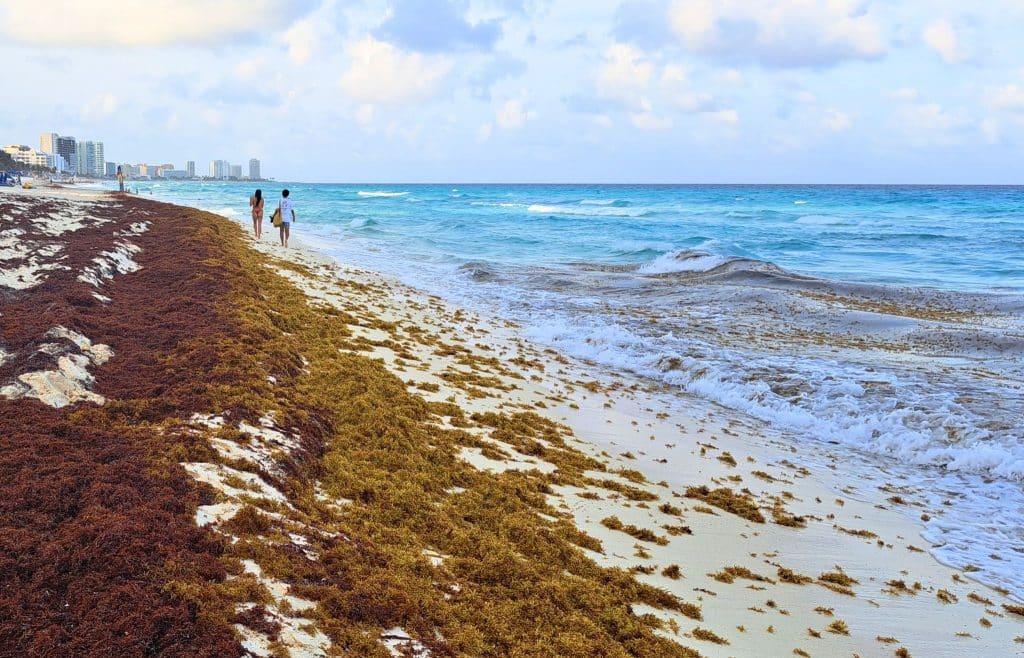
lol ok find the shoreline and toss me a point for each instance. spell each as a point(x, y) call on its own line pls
point(761, 585)
point(862, 504)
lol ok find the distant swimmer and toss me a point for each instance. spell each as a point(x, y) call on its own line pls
point(256, 202)
point(286, 212)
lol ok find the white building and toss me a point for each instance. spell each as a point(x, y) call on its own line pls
point(254, 169)
point(48, 142)
point(90, 159)
point(190, 168)
point(236, 172)
point(28, 156)
point(220, 169)
point(63, 149)
point(174, 174)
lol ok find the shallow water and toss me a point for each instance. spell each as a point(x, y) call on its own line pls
point(884, 323)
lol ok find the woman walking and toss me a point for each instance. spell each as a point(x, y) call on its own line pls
point(256, 203)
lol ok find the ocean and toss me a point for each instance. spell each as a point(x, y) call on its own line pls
point(880, 325)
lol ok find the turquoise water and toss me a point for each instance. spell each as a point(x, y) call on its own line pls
point(884, 325)
point(955, 238)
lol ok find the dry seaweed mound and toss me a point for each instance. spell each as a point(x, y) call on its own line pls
point(742, 504)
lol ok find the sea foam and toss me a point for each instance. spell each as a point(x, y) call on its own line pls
point(373, 194)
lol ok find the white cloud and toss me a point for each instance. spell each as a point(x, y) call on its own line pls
point(992, 131)
point(111, 23)
point(931, 124)
point(365, 114)
point(625, 72)
point(940, 36)
point(905, 95)
point(725, 117)
point(805, 97)
point(302, 40)
point(100, 107)
point(732, 78)
point(247, 69)
point(381, 74)
point(1010, 97)
point(787, 33)
point(646, 119)
point(837, 121)
point(604, 120)
point(512, 115)
point(212, 116)
point(676, 88)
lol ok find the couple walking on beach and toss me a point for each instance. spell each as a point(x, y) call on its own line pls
point(282, 217)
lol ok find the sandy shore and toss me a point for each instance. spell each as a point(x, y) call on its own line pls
point(762, 555)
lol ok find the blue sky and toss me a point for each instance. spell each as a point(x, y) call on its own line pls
point(530, 90)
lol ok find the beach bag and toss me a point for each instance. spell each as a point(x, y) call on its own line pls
point(275, 219)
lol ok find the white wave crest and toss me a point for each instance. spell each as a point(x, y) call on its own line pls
point(374, 193)
point(586, 211)
point(685, 260)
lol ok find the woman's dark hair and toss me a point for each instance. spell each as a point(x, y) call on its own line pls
point(259, 195)
point(285, 193)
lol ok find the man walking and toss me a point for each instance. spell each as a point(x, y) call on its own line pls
point(287, 211)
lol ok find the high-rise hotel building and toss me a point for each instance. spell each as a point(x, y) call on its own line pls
point(63, 146)
point(90, 159)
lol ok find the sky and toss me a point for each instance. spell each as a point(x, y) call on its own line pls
point(545, 91)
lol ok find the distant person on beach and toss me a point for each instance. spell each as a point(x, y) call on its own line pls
point(120, 179)
point(256, 202)
point(287, 216)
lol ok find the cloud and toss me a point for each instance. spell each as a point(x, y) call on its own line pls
point(100, 107)
point(436, 26)
point(625, 72)
point(732, 78)
point(930, 124)
point(779, 33)
point(940, 36)
point(675, 87)
point(302, 40)
point(725, 117)
point(381, 74)
point(991, 130)
point(512, 115)
point(905, 95)
point(837, 121)
point(646, 119)
point(1009, 97)
point(114, 23)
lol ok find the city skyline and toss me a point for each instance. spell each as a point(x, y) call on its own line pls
point(67, 155)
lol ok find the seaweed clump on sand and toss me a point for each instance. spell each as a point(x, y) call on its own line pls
point(723, 498)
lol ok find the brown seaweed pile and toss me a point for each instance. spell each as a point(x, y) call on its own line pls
point(99, 553)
